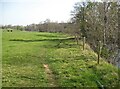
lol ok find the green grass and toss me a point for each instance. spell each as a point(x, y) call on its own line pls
point(24, 54)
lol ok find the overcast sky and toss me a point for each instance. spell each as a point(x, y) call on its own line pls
point(23, 12)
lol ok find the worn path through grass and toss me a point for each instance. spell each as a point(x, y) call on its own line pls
point(50, 76)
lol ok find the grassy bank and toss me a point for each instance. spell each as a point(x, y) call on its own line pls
point(25, 53)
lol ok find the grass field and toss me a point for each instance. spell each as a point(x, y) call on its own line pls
point(36, 59)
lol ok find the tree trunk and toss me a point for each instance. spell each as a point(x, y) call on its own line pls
point(105, 21)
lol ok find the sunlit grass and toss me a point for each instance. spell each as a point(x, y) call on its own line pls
point(24, 54)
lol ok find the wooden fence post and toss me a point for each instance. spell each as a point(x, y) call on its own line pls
point(99, 51)
point(83, 43)
point(77, 40)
